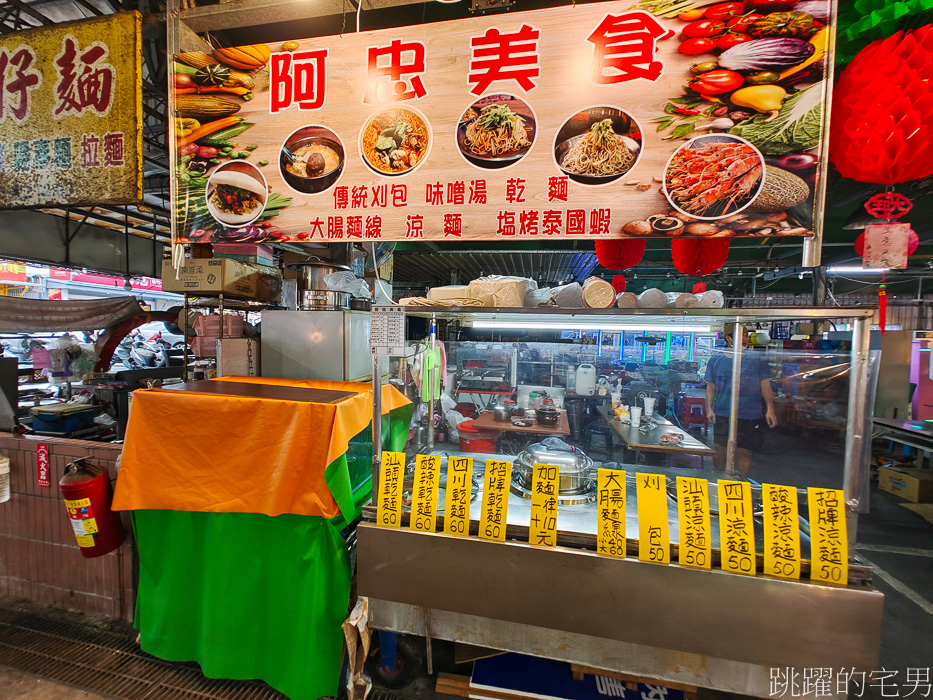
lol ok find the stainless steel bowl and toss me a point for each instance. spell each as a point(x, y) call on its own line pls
point(501, 413)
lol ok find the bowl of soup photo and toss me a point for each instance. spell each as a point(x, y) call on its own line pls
point(316, 161)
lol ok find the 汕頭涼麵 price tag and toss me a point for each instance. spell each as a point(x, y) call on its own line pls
point(736, 527)
point(610, 504)
point(782, 531)
point(653, 534)
point(495, 500)
point(829, 542)
point(391, 476)
point(543, 526)
point(424, 493)
point(693, 515)
point(457, 496)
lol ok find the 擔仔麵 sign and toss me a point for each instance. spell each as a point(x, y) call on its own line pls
point(70, 114)
point(573, 122)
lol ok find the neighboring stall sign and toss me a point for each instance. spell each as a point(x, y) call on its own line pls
point(71, 114)
point(593, 121)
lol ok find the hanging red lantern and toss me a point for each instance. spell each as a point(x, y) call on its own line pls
point(618, 283)
point(913, 242)
point(620, 255)
point(881, 129)
point(699, 256)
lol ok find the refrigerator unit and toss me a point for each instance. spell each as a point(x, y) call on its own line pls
point(316, 345)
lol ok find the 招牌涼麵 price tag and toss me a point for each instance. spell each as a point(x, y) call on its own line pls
point(653, 534)
point(610, 504)
point(424, 493)
point(829, 542)
point(391, 476)
point(543, 525)
point(736, 527)
point(495, 500)
point(782, 531)
point(457, 496)
point(695, 549)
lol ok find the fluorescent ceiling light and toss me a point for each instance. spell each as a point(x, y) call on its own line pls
point(857, 269)
point(502, 324)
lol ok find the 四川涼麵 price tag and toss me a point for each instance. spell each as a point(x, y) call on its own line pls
point(693, 515)
point(736, 528)
point(391, 477)
point(457, 496)
point(654, 543)
point(424, 493)
point(782, 531)
point(495, 500)
point(610, 508)
point(543, 527)
point(829, 542)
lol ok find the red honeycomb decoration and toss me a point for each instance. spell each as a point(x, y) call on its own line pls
point(620, 255)
point(881, 129)
point(698, 256)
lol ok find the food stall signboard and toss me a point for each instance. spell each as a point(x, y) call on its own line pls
point(573, 122)
point(610, 494)
point(424, 493)
point(654, 544)
point(391, 477)
point(829, 542)
point(457, 496)
point(542, 530)
point(693, 515)
point(495, 500)
point(782, 531)
point(71, 114)
point(736, 527)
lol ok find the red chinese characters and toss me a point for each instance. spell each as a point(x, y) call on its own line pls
point(501, 55)
point(298, 78)
point(557, 188)
point(624, 47)
point(85, 81)
point(453, 226)
point(387, 70)
point(18, 78)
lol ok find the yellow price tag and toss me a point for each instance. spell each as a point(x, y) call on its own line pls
point(80, 503)
point(495, 500)
point(85, 540)
point(736, 527)
point(424, 493)
point(829, 542)
point(391, 478)
point(610, 508)
point(782, 531)
point(543, 528)
point(654, 542)
point(695, 549)
point(457, 496)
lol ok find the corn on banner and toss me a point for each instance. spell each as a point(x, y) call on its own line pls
point(71, 114)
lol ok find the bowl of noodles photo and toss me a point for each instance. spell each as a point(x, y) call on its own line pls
point(714, 176)
point(317, 158)
point(496, 131)
point(236, 193)
point(598, 145)
point(395, 141)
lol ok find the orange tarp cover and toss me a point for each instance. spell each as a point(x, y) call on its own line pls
point(231, 454)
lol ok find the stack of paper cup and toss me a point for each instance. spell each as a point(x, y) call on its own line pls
point(636, 416)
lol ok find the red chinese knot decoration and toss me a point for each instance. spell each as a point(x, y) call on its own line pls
point(697, 257)
point(620, 255)
point(881, 129)
point(888, 205)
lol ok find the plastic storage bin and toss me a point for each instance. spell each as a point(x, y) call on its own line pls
point(473, 440)
point(62, 418)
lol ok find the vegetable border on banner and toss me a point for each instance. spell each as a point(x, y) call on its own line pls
point(71, 114)
point(593, 122)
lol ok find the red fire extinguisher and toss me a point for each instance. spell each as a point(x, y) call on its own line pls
point(88, 496)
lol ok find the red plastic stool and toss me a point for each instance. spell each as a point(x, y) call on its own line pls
point(693, 412)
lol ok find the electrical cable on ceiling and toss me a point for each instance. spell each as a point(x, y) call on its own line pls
point(372, 253)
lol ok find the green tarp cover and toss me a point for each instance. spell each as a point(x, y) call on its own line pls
point(247, 595)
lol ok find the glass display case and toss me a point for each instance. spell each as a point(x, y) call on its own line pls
point(797, 419)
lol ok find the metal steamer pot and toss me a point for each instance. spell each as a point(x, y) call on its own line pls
point(501, 413)
point(576, 469)
point(313, 294)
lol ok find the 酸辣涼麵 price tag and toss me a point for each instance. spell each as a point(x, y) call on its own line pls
point(782, 531)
